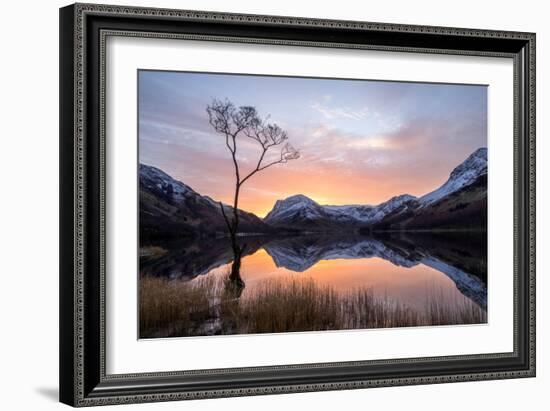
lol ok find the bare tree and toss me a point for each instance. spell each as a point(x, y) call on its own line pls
point(244, 122)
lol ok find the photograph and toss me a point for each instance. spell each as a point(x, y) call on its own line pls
point(277, 204)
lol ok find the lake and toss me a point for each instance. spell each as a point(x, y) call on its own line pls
point(414, 271)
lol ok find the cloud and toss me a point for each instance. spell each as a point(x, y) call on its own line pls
point(332, 113)
point(358, 145)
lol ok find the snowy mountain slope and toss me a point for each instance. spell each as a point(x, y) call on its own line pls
point(171, 208)
point(463, 175)
point(168, 204)
point(156, 180)
point(465, 208)
point(461, 202)
point(302, 212)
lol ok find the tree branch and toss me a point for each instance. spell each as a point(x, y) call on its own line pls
point(226, 219)
point(226, 119)
point(257, 166)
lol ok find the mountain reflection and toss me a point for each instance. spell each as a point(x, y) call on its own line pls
point(460, 257)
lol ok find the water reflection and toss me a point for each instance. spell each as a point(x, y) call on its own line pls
point(404, 267)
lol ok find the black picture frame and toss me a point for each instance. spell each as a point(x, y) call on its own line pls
point(83, 380)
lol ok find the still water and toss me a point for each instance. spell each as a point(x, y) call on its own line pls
point(408, 269)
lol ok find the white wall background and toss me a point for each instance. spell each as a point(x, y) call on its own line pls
point(29, 204)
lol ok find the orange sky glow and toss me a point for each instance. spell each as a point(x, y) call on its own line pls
point(409, 285)
point(361, 142)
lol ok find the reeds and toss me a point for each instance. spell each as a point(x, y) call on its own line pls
point(169, 307)
point(203, 307)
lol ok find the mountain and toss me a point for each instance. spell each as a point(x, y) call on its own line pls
point(465, 208)
point(461, 202)
point(302, 212)
point(169, 208)
point(465, 174)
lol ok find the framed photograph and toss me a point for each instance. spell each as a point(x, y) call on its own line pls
point(261, 204)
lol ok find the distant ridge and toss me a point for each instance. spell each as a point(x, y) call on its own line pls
point(399, 212)
point(171, 208)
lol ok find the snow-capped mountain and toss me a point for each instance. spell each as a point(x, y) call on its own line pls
point(461, 202)
point(463, 175)
point(299, 211)
point(157, 181)
point(171, 208)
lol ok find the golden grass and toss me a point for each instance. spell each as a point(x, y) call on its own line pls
point(173, 307)
point(202, 307)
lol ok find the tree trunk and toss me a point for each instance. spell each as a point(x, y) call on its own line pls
point(235, 274)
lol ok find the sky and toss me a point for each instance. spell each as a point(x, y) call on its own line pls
point(360, 141)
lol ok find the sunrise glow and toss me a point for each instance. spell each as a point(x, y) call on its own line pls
point(361, 142)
